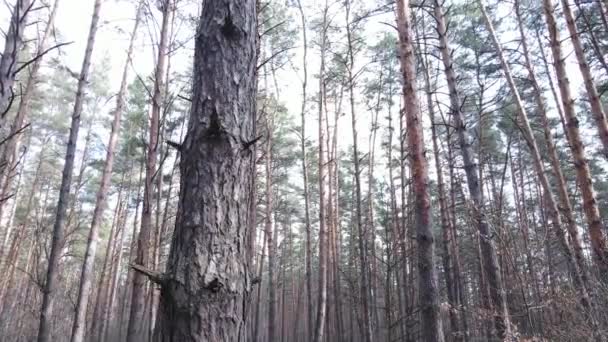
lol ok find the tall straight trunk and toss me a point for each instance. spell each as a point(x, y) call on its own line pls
point(10, 56)
point(562, 188)
point(207, 278)
point(270, 234)
point(142, 258)
point(431, 326)
point(597, 109)
point(322, 294)
point(308, 252)
point(446, 230)
point(9, 157)
point(583, 174)
point(46, 311)
point(84, 290)
point(336, 239)
point(488, 248)
point(361, 230)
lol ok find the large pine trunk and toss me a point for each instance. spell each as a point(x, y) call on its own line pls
point(205, 291)
point(46, 312)
point(431, 326)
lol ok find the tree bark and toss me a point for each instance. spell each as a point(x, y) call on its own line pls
point(46, 312)
point(431, 325)
point(205, 291)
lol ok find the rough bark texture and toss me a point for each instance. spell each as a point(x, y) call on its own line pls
point(12, 46)
point(488, 249)
point(583, 174)
point(86, 279)
point(205, 292)
point(46, 312)
point(142, 256)
point(431, 326)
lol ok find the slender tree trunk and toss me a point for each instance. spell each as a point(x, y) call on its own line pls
point(269, 228)
point(308, 253)
point(322, 295)
point(431, 326)
point(142, 258)
point(583, 174)
point(208, 279)
point(443, 214)
point(46, 311)
point(84, 290)
point(361, 230)
point(488, 248)
point(258, 301)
